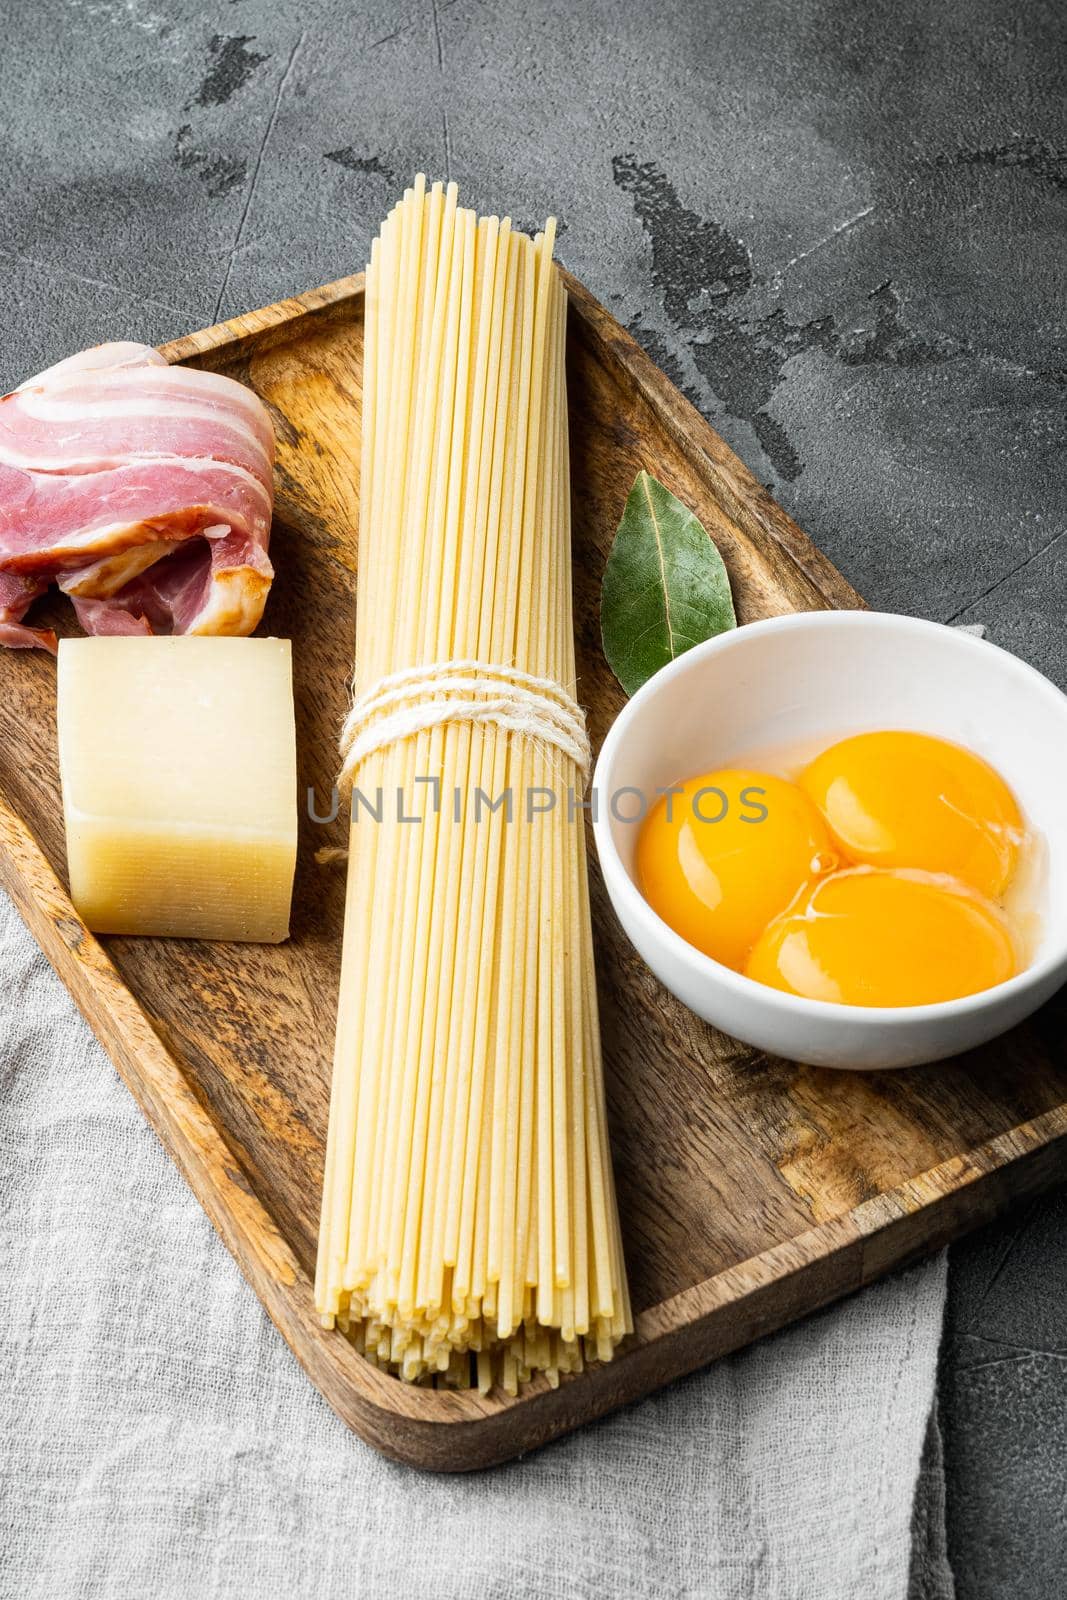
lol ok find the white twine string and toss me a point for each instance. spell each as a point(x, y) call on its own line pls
point(399, 705)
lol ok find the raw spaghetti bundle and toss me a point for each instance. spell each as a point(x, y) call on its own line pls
point(469, 1228)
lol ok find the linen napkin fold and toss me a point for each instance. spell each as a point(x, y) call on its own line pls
point(158, 1438)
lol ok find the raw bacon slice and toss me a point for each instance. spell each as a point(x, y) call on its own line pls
point(17, 594)
point(203, 586)
point(49, 522)
point(97, 410)
point(104, 578)
point(102, 617)
point(145, 490)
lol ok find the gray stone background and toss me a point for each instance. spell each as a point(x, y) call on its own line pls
point(838, 226)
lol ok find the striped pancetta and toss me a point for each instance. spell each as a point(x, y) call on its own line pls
point(144, 490)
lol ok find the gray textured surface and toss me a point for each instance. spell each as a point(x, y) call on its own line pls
point(1003, 1392)
point(839, 227)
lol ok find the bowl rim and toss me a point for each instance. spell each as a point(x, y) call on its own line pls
point(701, 966)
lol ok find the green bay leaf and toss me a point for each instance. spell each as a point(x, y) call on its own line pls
point(665, 586)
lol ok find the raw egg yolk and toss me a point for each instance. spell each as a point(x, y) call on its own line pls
point(875, 938)
point(910, 800)
point(722, 854)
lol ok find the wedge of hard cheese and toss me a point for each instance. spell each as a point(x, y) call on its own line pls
point(178, 763)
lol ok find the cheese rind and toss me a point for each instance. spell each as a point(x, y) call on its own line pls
point(178, 764)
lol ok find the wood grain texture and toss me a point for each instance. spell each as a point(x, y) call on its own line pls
point(752, 1190)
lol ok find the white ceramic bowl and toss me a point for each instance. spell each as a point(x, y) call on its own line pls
point(820, 676)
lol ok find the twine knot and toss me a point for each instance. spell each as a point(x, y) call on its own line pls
point(404, 703)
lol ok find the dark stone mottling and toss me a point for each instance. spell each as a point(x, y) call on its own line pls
point(699, 268)
point(352, 162)
point(838, 227)
point(1035, 155)
point(232, 64)
point(218, 173)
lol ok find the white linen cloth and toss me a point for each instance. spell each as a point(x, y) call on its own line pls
point(158, 1439)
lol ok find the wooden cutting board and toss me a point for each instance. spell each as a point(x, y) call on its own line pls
point(752, 1190)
